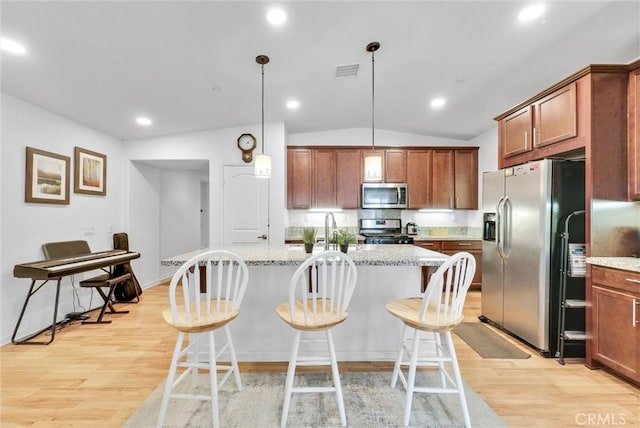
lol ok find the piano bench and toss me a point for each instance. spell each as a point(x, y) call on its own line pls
point(105, 281)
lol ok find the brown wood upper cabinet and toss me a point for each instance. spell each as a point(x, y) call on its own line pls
point(348, 178)
point(516, 130)
point(322, 177)
point(547, 121)
point(442, 178)
point(395, 166)
point(634, 134)
point(556, 117)
point(299, 176)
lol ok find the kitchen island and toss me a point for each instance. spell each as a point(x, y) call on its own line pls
point(385, 273)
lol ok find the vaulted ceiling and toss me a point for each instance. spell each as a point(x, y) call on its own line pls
point(191, 65)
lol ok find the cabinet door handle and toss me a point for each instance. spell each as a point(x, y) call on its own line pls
point(460, 244)
point(533, 137)
point(633, 313)
point(635, 281)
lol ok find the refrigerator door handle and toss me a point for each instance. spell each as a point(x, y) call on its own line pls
point(499, 230)
point(505, 242)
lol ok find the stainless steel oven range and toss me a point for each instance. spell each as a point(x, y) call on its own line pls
point(383, 231)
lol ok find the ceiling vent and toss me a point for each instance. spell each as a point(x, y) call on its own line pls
point(347, 71)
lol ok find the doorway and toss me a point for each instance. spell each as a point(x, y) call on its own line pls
point(245, 207)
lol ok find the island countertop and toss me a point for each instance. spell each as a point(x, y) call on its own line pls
point(292, 255)
point(385, 273)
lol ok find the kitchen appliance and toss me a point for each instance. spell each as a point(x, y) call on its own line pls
point(384, 195)
point(523, 211)
point(412, 229)
point(383, 231)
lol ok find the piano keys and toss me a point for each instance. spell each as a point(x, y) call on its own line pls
point(50, 269)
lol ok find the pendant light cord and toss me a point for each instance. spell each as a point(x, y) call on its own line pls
point(373, 102)
point(262, 66)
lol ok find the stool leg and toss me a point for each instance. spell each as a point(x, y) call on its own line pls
point(458, 377)
point(291, 371)
point(336, 379)
point(213, 380)
point(170, 379)
point(396, 367)
point(234, 360)
point(412, 377)
point(441, 366)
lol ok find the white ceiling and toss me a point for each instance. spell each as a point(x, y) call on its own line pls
point(103, 63)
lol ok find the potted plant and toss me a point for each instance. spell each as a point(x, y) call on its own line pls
point(309, 238)
point(345, 238)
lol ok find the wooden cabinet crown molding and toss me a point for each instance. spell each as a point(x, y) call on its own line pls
point(591, 69)
point(368, 148)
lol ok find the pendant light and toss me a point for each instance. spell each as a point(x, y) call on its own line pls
point(262, 166)
point(373, 162)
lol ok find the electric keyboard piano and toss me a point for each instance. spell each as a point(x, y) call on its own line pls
point(50, 269)
point(63, 259)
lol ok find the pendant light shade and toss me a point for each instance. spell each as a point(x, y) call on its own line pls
point(373, 167)
point(373, 162)
point(262, 165)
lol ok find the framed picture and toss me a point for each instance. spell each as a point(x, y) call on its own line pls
point(47, 177)
point(91, 172)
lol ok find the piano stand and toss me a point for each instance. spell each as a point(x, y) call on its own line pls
point(105, 281)
point(27, 340)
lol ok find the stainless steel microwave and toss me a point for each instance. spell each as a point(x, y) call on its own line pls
point(384, 195)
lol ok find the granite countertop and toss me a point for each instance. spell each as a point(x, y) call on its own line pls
point(293, 255)
point(624, 263)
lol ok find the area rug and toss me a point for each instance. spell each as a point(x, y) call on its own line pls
point(369, 402)
point(488, 343)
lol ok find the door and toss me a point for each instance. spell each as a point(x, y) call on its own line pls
point(245, 207)
point(526, 310)
point(492, 263)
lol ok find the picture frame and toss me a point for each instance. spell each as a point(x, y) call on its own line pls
point(46, 177)
point(90, 172)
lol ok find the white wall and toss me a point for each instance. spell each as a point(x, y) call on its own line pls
point(487, 161)
point(179, 212)
point(362, 137)
point(143, 197)
point(26, 226)
point(218, 147)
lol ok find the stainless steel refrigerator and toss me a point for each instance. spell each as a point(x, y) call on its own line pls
point(523, 211)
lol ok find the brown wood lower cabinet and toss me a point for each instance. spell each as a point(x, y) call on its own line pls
point(450, 248)
point(615, 335)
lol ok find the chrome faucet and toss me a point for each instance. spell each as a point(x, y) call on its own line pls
point(326, 230)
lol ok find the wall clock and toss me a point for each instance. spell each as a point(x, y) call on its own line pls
point(247, 144)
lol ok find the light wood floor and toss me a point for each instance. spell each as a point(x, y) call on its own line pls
point(97, 375)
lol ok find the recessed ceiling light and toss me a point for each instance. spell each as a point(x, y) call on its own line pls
point(12, 46)
point(144, 121)
point(293, 104)
point(531, 12)
point(276, 16)
point(438, 102)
